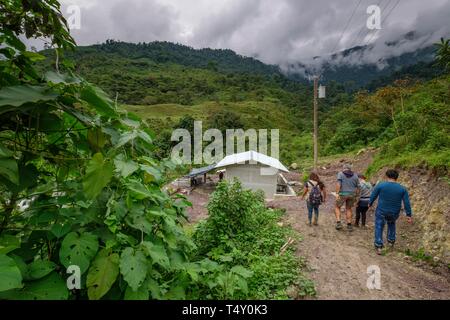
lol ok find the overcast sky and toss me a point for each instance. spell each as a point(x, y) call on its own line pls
point(274, 31)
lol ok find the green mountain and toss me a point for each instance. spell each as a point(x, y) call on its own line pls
point(348, 67)
point(169, 85)
point(167, 52)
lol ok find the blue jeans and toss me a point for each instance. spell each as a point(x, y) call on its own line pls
point(312, 209)
point(381, 219)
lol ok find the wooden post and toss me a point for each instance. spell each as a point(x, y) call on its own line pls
point(316, 122)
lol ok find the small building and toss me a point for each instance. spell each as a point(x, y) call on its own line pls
point(257, 172)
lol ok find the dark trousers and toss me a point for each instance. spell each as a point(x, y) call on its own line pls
point(361, 214)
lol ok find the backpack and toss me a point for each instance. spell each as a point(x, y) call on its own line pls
point(315, 196)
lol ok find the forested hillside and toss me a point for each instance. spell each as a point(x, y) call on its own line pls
point(162, 87)
point(410, 122)
point(350, 67)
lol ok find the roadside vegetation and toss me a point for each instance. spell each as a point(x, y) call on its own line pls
point(81, 194)
point(240, 230)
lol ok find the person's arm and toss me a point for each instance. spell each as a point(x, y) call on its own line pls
point(407, 206)
point(305, 191)
point(324, 193)
point(374, 195)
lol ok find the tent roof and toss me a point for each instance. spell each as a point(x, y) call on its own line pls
point(241, 158)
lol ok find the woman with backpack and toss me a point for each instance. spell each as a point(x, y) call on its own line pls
point(315, 194)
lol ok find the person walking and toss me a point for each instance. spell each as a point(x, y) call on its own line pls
point(315, 194)
point(364, 201)
point(347, 190)
point(390, 195)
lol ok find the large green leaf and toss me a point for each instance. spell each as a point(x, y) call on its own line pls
point(57, 78)
point(10, 276)
point(153, 172)
point(52, 287)
point(99, 101)
point(12, 97)
point(40, 268)
point(4, 152)
point(142, 294)
point(60, 230)
point(125, 167)
point(98, 174)
point(139, 220)
point(8, 243)
point(134, 267)
point(78, 249)
point(102, 274)
point(138, 190)
point(125, 138)
point(157, 253)
point(8, 165)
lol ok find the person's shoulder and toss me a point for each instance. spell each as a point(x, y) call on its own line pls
point(381, 184)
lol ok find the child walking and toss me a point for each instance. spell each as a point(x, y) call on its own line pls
point(364, 201)
point(315, 194)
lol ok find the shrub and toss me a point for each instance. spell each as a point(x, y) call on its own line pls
point(241, 231)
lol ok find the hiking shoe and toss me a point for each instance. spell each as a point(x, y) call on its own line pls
point(391, 245)
point(379, 251)
point(339, 225)
point(350, 227)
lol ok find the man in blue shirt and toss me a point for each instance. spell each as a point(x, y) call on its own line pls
point(390, 195)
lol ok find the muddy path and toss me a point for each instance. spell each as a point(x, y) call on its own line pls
point(338, 260)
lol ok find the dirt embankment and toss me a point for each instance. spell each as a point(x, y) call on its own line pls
point(430, 198)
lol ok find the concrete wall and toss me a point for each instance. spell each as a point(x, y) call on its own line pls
point(251, 178)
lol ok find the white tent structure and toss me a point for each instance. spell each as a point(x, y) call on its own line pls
point(256, 172)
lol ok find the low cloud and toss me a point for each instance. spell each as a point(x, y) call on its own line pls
point(279, 32)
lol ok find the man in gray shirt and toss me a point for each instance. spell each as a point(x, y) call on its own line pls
point(347, 189)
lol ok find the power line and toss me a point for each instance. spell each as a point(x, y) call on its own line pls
point(347, 25)
point(384, 20)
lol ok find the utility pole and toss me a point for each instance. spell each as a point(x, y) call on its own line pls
point(316, 122)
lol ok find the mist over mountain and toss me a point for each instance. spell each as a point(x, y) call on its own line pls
point(362, 66)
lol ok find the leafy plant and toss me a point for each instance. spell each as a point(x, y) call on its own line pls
point(79, 183)
point(443, 53)
point(241, 230)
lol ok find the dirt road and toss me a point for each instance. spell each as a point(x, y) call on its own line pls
point(338, 260)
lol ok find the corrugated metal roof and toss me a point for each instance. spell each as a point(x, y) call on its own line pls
point(201, 171)
point(245, 157)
